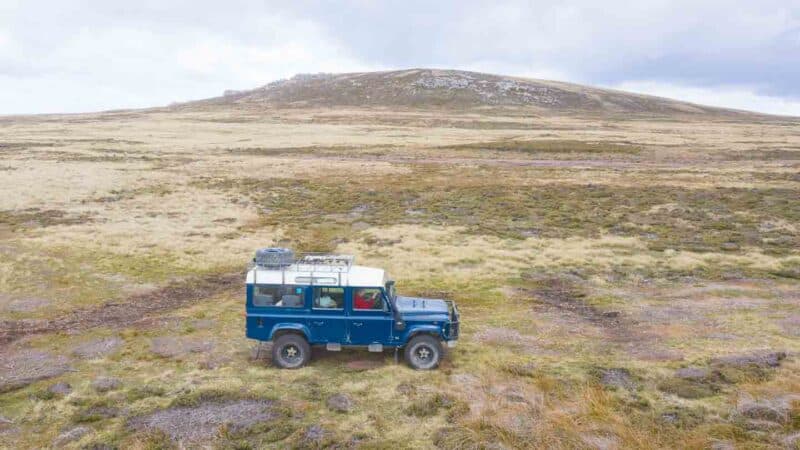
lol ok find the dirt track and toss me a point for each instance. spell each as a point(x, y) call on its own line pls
point(556, 163)
point(135, 310)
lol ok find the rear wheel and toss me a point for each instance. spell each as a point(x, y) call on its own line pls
point(423, 352)
point(291, 351)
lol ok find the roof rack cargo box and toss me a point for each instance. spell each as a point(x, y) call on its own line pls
point(274, 257)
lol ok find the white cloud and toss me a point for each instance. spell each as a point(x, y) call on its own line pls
point(123, 65)
point(81, 55)
point(735, 97)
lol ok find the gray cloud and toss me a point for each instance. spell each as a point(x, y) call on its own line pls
point(74, 56)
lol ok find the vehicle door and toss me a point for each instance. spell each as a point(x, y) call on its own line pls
point(369, 317)
point(327, 320)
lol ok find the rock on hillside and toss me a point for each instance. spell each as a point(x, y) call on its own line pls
point(451, 89)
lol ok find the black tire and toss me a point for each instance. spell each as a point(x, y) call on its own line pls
point(291, 351)
point(424, 352)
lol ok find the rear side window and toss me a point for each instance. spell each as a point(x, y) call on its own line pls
point(281, 296)
point(328, 297)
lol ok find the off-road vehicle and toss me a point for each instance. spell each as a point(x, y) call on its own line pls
point(328, 301)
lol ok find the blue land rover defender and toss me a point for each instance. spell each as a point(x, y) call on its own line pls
point(327, 300)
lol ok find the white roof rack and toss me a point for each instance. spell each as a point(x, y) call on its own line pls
point(324, 263)
point(318, 269)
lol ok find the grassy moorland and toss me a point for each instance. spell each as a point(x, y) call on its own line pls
point(625, 283)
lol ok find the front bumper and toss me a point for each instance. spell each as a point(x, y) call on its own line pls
point(451, 344)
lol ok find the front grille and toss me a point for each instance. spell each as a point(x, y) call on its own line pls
point(454, 330)
point(451, 306)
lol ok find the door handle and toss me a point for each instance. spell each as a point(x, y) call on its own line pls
point(318, 322)
point(358, 324)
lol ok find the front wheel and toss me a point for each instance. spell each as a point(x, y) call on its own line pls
point(423, 352)
point(290, 351)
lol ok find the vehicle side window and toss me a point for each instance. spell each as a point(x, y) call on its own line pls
point(328, 297)
point(285, 296)
point(367, 299)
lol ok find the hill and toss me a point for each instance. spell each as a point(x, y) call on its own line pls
point(417, 88)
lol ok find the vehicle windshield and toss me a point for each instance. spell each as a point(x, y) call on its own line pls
point(390, 290)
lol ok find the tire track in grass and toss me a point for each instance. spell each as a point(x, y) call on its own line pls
point(134, 310)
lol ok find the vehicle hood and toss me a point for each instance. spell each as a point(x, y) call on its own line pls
point(417, 305)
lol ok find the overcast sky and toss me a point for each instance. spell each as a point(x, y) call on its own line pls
point(73, 56)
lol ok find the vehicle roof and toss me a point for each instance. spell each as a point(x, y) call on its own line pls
point(297, 274)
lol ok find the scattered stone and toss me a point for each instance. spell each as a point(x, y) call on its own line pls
point(202, 422)
point(692, 373)
point(105, 384)
point(670, 417)
point(340, 403)
point(97, 348)
point(406, 388)
point(313, 436)
point(71, 435)
point(773, 410)
point(760, 359)
point(364, 364)
point(60, 388)
point(19, 369)
point(617, 378)
point(5, 423)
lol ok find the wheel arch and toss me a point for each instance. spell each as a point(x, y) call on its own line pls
point(418, 330)
point(289, 328)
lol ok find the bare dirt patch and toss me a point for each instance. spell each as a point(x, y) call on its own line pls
point(502, 337)
point(568, 297)
point(19, 369)
point(135, 310)
point(97, 348)
point(364, 364)
point(203, 422)
point(565, 295)
point(174, 347)
point(27, 304)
